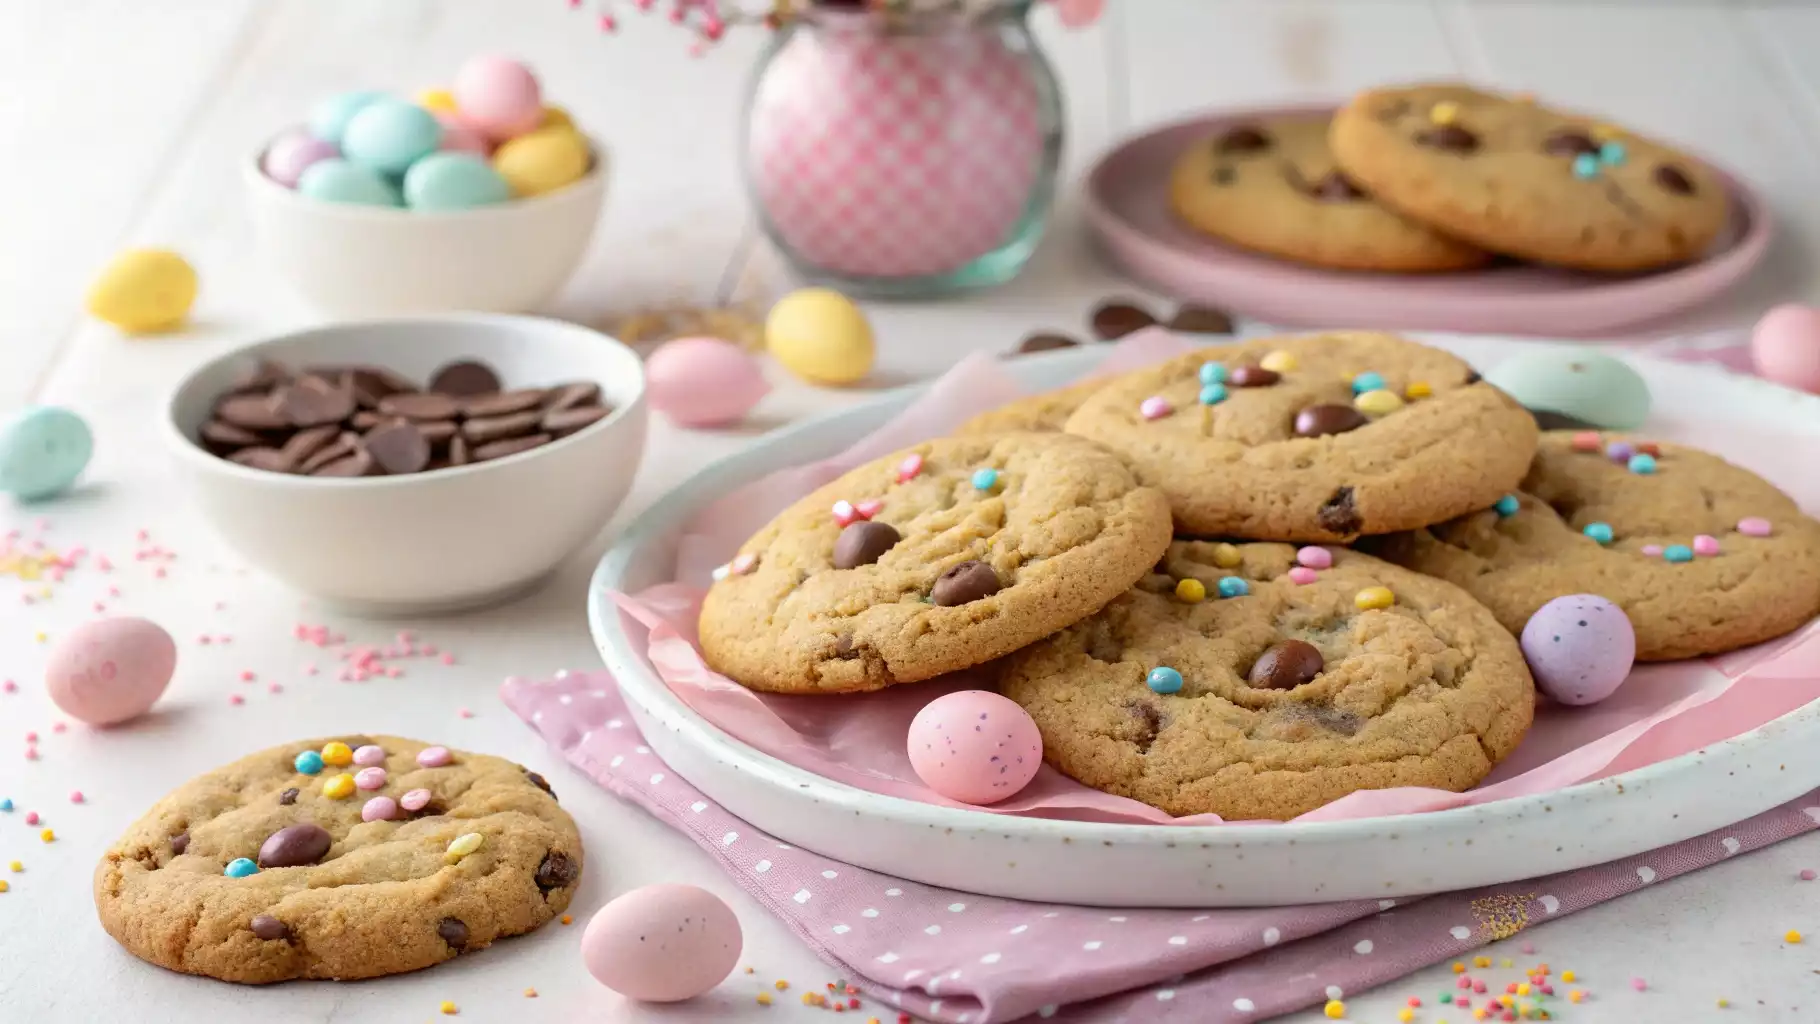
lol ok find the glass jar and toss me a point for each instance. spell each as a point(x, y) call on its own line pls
point(904, 155)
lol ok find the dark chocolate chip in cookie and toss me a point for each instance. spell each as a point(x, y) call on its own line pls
point(1336, 188)
point(1338, 514)
point(1473, 377)
point(844, 648)
point(1569, 142)
point(295, 845)
point(1252, 376)
point(179, 843)
point(556, 871)
point(453, 932)
point(1191, 319)
point(1449, 137)
point(1224, 175)
point(1243, 139)
point(1045, 341)
point(862, 543)
point(1673, 179)
point(289, 796)
point(1286, 665)
point(1321, 420)
point(463, 379)
point(539, 781)
point(965, 582)
point(1114, 320)
point(269, 928)
point(399, 447)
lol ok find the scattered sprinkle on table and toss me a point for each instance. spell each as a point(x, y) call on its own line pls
point(449, 1009)
point(1792, 937)
point(1639, 984)
point(764, 999)
point(15, 866)
point(566, 919)
point(1334, 1009)
point(781, 984)
point(530, 993)
point(1807, 874)
point(48, 836)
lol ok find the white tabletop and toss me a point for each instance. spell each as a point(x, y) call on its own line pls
point(127, 123)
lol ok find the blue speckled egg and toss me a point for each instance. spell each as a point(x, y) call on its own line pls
point(1580, 648)
point(43, 449)
point(390, 135)
point(338, 181)
point(329, 118)
point(453, 181)
point(1574, 388)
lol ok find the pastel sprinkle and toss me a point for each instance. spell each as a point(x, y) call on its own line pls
point(448, 1008)
point(1418, 389)
point(1212, 394)
point(11, 687)
point(1753, 526)
point(1639, 984)
point(1367, 382)
point(31, 817)
point(370, 778)
point(1213, 373)
point(235, 698)
point(339, 787)
point(6, 804)
point(380, 808)
point(1585, 441)
point(1651, 550)
point(1791, 936)
point(1706, 545)
point(1807, 874)
point(844, 514)
point(1334, 1009)
point(1642, 464)
point(1678, 553)
point(1569, 976)
point(461, 846)
point(1314, 557)
point(464, 712)
point(1600, 532)
point(1586, 166)
point(1620, 451)
point(5, 885)
point(1233, 586)
point(369, 755)
point(1302, 575)
point(76, 796)
point(1190, 591)
point(985, 479)
point(240, 867)
point(1164, 679)
point(1373, 598)
point(1507, 506)
point(1154, 408)
point(415, 800)
point(47, 836)
point(1612, 154)
point(435, 757)
point(907, 469)
point(309, 762)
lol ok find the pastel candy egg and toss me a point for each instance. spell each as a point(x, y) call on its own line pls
point(291, 153)
point(662, 943)
point(390, 135)
point(1580, 648)
point(498, 95)
point(110, 670)
point(556, 117)
point(329, 118)
point(703, 382)
point(453, 181)
point(1574, 387)
point(542, 161)
point(821, 336)
point(341, 181)
point(462, 138)
point(43, 450)
point(437, 101)
point(1785, 346)
point(144, 291)
point(975, 746)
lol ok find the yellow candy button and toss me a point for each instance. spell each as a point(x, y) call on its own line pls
point(1226, 556)
point(338, 787)
point(1444, 112)
point(1418, 390)
point(1278, 361)
point(1374, 597)
point(337, 754)
point(461, 846)
point(1191, 591)
point(1378, 403)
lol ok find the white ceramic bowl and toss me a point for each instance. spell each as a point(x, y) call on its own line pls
point(357, 261)
point(435, 541)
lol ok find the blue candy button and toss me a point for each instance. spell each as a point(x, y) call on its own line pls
point(1164, 680)
point(43, 450)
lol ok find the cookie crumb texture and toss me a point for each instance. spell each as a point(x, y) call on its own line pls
point(1242, 466)
point(1059, 521)
point(1755, 588)
point(1430, 691)
point(1042, 413)
point(381, 900)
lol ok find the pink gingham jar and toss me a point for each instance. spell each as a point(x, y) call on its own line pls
point(902, 154)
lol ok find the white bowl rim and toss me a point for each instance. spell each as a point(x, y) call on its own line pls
point(187, 448)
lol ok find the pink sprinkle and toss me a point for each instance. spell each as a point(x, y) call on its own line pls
point(59, 727)
point(204, 640)
point(844, 512)
point(26, 599)
point(310, 669)
point(31, 736)
point(448, 659)
point(1754, 526)
point(1547, 989)
point(1463, 1003)
point(1639, 984)
point(1155, 407)
point(1315, 557)
point(1464, 982)
point(223, 638)
point(275, 688)
point(1478, 986)
point(1301, 575)
point(405, 637)
point(1807, 874)
point(1650, 550)
point(41, 524)
point(143, 535)
point(869, 508)
point(465, 713)
point(9, 686)
point(31, 753)
point(99, 607)
point(220, 605)
point(75, 796)
point(426, 650)
point(1706, 545)
point(159, 572)
point(235, 698)
point(907, 469)
point(247, 676)
point(113, 591)
point(102, 563)
point(31, 817)
point(393, 673)
point(1529, 947)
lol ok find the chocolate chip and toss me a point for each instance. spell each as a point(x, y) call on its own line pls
point(1114, 320)
point(463, 379)
point(295, 845)
point(1321, 420)
point(420, 406)
point(1286, 665)
point(269, 459)
point(262, 376)
point(1223, 175)
point(556, 871)
point(1546, 420)
point(1449, 137)
point(571, 395)
point(1044, 341)
point(498, 428)
point(539, 781)
point(1190, 319)
point(453, 932)
point(1243, 139)
point(844, 649)
point(1472, 377)
point(289, 796)
point(359, 463)
point(251, 412)
point(269, 928)
point(1150, 722)
point(306, 443)
point(221, 436)
point(1336, 188)
point(563, 422)
point(1569, 142)
point(458, 451)
point(1673, 179)
point(504, 403)
point(965, 582)
point(398, 447)
point(343, 446)
point(372, 383)
point(1338, 514)
point(1252, 376)
point(863, 542)
point(364, 420)
point(179, 843)
point(437, 431)
point(512, 446)
point(312, 402)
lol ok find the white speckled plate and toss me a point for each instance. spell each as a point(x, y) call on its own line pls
point(1154, 865)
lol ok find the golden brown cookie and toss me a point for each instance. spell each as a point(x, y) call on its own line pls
point(1517, 177)
point(1274, 187)
point(1043, 412)
point(1284, 688)
point(1683, 548)
point(934, 559)
point(1266, 440)
point(335, 895)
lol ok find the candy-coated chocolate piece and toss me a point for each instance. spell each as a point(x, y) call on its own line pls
point(290, 154)
point(542, 161)
point(820, 335)
point(110, 670)
point(435, 757)
point(1785, 346)
point(43, 450)
point(144, 291)
point(329, 117)
point(1580, 648)
point(389, 135)
point(498, 95)
point(368, 755)
point(453, 181)
point(1577, 383)
point(703, 382)
point(343, 181)
point(662, 943)
point(295, 845)
point(974, 746)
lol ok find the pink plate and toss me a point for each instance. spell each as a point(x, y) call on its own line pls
point(1129, 213)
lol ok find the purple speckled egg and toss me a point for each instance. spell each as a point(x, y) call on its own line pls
point(1580, 648)
point(975, 747)
point(292, 153)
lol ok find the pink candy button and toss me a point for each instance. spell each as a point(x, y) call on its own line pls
point(369, 755)
point(434, 757)
point(370, 778)
point(415, 800)
point(1303, 575)
point(380, 808)
point(1315, 557)
point(1651, 550)
point(1753, 526)
point(1706, 545)
point(1155, 407)
point(907, 469)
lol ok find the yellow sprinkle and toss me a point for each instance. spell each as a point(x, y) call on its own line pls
point(1444, 112)
point(1723, 1003)
point(1226, 556)
point(449, 1009)
point(338, 787)
point(1378, 403)
point(1381, 597)
point(460, 846)
point(16, 866)
point(1478, 1013)
point(764, 999)
point(1406, 1015)
point(1569, 976)
point(1575, 996)
point(1507, 961)
point(1792, 936)
point(809, 998)
point(1458, 967)
point(5, 885)
point(1477, 961)
point(530, 993)
point(40, 636)
point(1278, 361)
point(1191, 591)
point(566, 919)
point(48, 836)
point(748, 970)
point(440, 101)
point(337, 754)
point(1523, 989)
point(44, 592)
point(1334, 1009)
point(1419, 389)
point(782, 984)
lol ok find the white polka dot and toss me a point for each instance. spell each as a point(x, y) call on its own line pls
point(1550, 904)
point(934, 929)
point(990, 958)
point(762, 866)
point(840, 929)
point(830, 874)
point(1461, 932)
point(562, 673)
point(1812, 812)
point(1243, 1004)
point(1163, 995)
point(1272, 936)
point(955, 908)
point(565, 699)
point(1198, 918)
point(868, 912)
point(1118, 920)
point(1362, 947)
point(1731, 845)
point(615, 724)
point(802, 896)
point(1047, 1011)
point(1335, 992)
point(597, 693)
point(1386, 904)
point(698, 806)
point(952, 975)
point(1091, 946)
point(1647, 874)
point(935, 1007)
point(729, 839)
point(1178, 940)
point(894, 892)
point(1053, 913)
point(965, 1018)
point(781, 846)
point(616, 762)
point(1020, 929)
point(657, 778)
point(536, 716)
point(642, 750)
point(913, 974)
point(888, 958)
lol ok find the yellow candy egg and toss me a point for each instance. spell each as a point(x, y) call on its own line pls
point(144, 291)
point(437, 101)
point(1226, 556)
point(821, 336)
point(461, 846)
point(1191, 591)
point(1278, 361)
point(337, 753)
point(1378, 403)
point(556, 117)
point(1419, 389)
point(542, 161)
point(1374, 597)
point(338, 787)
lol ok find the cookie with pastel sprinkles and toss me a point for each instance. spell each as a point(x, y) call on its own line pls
point(339, 859)
point(1521, 178)
point(1273, 187)
point(1325, 437)
point(1703, 556)
point(937, 558)
point(1043, 412)
point(1259, 681)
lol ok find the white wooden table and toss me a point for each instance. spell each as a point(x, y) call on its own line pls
point(126, 124)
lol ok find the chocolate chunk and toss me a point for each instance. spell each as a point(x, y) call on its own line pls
point(261, 377)
point(420, 406)
point(269, 928)
point(372, 383)
point(1472, 377)
point(571, 395)
point(269, 459)
point(1286, 665)
point(295, 845)
point(1044, 341)
point(251, 412)
point(1252, 376)
point(1189, 319)
point(965, 582)
point(179, 843)
point(539, 781)
point(1673, 179)
point(398, 447)
point(556, 871)
point(1242, 139)
point(844, 648)
point(511, 446)
point(563, 422)
point(863, 542)
point(452, 932)
point(1338, 514)
point(1569, 142)
point(343, 446)
point(464, 379)
point(503, 403)
point(1150, 722)
point(1336, 188)
point(289, 796)
point(312, 402)
point(306, 443)
point(1321, 420)
point(1546, 420)
point(1449, 137)
point(358, 463)
point(222, 437)
point(1114, 320)
point(497, 428)
point(458, 451)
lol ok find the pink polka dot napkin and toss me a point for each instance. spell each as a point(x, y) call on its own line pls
point(956, 957)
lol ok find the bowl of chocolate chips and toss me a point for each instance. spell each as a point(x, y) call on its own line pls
point(413, 465)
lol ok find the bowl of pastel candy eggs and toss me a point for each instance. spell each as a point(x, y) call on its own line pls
point(478, 196)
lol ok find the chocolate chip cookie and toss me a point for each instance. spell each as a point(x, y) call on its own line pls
point(937, 558)
point(1274, 187)
point(1322, 437)
point(1521, 178)
point(1256, 681)
point(348, 858)
point(1043, 412)
point(1702, 556)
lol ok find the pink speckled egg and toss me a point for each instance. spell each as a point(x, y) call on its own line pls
point(292, 153)
point(1580, 648)
point(110, 670)
point(703, 382)
point(499, 96)
point(1785, 346)
point(975, 746)
point(662, 943)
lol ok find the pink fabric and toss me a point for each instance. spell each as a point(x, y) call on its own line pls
point(966, 959)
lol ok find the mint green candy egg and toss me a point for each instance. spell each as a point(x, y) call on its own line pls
point(390, 135)
point(329, 118)
point(1574, 388)
point(453, 181)
point(43, 449)
point(339, 181)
